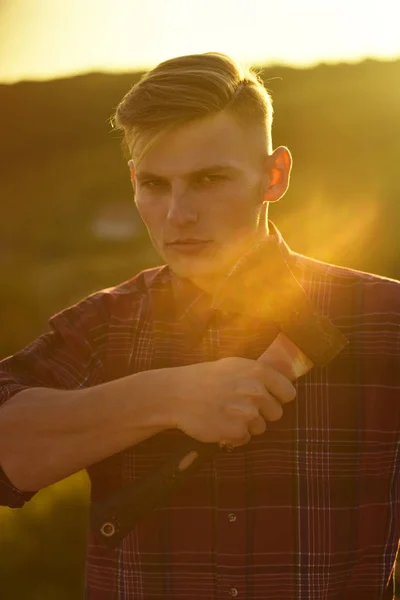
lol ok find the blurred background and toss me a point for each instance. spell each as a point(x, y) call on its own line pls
point(68, 224)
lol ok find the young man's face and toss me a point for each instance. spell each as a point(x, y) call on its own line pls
point(200, 192)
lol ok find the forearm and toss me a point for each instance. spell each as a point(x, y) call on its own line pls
point(47, 434)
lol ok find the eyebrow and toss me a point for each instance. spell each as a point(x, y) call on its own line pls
point(143, 175)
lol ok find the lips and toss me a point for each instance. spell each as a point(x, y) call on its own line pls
point(188, 241)
point(189, 246)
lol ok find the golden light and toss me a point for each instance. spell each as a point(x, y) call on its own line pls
point(52, 38)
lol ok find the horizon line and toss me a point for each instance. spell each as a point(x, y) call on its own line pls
point(62, 75)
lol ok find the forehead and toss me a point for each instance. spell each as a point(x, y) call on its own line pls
point(218, 139)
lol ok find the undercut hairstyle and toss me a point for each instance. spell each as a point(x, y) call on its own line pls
point(188, 88)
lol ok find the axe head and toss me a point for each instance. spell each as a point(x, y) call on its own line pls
point(261, 285)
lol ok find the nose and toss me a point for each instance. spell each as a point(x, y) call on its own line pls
point(181, 210)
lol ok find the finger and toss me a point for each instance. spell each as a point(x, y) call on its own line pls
point(276, 384)
point(237, 436)
point(242, 441)
point(270, 408)
point(246, 409)
point(257, 426)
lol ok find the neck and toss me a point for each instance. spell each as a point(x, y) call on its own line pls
point(211, 283)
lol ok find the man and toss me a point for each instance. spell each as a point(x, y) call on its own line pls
point(306, 505)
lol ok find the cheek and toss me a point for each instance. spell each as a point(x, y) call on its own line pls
point(236, 208)
point(149, 211)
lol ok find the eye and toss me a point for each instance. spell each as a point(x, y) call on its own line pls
point(152, 183)
point(210, 179)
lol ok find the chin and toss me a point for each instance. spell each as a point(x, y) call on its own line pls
point(190, 268)
point(209, 265)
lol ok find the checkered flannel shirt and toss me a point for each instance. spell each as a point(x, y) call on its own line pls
point(307, 511)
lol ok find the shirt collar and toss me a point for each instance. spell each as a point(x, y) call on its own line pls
point(193, 306)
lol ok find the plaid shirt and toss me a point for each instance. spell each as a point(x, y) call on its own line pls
point(309, 510)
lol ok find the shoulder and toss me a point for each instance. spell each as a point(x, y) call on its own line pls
point(120, 303)
point(364, 306)
point(343, 274)
point(133, 290)
point(348, 289)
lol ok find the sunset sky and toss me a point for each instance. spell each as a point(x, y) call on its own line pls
point(42, 39)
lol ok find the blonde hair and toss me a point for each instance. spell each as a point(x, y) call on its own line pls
point(190, 87)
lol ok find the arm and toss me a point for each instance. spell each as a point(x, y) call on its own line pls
point(48, 434)
point(69, 359)
point(59, 416)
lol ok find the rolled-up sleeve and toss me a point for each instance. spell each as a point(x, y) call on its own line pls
point(66, 357)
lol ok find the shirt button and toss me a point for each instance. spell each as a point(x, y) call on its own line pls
point(233, 592)
point(232, 517)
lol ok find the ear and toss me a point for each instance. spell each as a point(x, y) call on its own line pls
point(278, 168)
point(132, 171)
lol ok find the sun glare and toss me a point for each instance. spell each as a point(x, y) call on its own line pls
point(338, 232)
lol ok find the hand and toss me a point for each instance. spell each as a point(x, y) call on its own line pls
point(229, 399)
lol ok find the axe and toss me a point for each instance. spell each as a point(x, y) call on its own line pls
point(260, 286)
